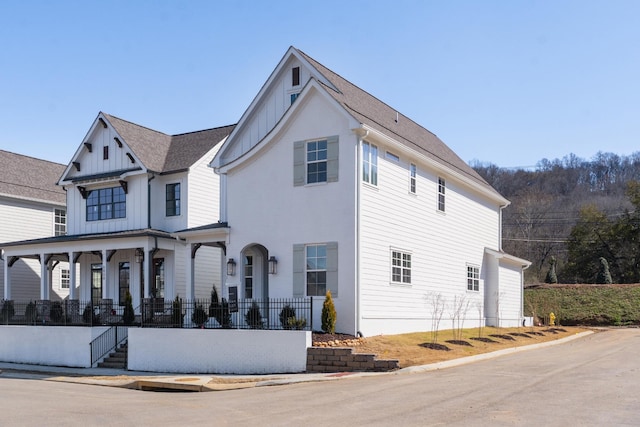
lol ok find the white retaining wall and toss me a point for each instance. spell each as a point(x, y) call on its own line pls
point(221, 351)
point(48, 345)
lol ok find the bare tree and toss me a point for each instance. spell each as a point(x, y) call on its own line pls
point(437, 304)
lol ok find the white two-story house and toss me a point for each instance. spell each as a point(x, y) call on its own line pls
point(323, 187)
point(128, 188)
point(31, 206)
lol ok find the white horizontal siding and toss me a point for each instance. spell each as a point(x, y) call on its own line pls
point(441, 244)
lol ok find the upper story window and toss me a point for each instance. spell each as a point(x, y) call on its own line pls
point(441, 189)
point(65, 278)
point(106, 203)
point(294, 96)
point(400, 267)
point(369, 163)
point(295, 77)
point(60, 222)
point(316, 161)
point(473, 278)
point(105, 152)
point(173, 199)
point(412, 178)
point(392, 156)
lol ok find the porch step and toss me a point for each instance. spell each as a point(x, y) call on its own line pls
point(117, 359)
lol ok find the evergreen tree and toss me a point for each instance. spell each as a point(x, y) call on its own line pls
point(128, 316)
point(551, 274)
point(604, 276)
point(328, 315)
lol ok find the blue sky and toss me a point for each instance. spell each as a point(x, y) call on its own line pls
point(507, 82)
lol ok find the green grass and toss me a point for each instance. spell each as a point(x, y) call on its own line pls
point(595, 305)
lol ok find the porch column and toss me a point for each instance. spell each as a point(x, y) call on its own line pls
point(72, 277)
point(190, 279)
point(105, 275)
point(146, 268)
point(7, 279)
point(44, 276)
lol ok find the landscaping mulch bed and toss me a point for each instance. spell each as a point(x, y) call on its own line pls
point(504, 337)
point(323, 337)
point(435, 346)
point(484, 339)
point(520, 334)
point(459, 342)
point(535, 333)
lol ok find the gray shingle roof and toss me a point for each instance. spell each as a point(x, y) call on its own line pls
point(160, 152)
point(372, 112)
point(31, 178)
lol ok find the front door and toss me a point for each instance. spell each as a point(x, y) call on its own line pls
point(252, 277)
point(96, 284)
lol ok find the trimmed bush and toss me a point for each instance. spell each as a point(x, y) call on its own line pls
point(89, 315)
point(286, 314)
point(7, 312)
point(199, 316)
point(56, 313)
point(31, 313)
point(128, 315)
point(220, 310)
point(297, 323)
point(177, 317)
point(253, 317)
point(329, 315)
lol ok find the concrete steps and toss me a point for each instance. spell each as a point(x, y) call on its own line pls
point(117, 359)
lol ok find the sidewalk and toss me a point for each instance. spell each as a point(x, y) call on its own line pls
point(154, 381)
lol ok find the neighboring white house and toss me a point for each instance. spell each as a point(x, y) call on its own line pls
point(31, 206)
point(335, 190)
point(127, 189)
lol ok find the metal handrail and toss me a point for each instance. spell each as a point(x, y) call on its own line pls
point(107, 342)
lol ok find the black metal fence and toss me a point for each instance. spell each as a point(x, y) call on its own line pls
point(286, 314)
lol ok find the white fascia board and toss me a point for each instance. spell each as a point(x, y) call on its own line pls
point(78, 150)
point(292, 51)
point(374, 135)
point(312, 88)
point(510, 258)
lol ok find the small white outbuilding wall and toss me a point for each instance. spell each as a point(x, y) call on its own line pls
point(220, 351)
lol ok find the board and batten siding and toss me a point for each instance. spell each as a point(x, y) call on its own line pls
point(441, 245)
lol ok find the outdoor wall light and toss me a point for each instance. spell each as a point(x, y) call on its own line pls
point(139, 255)
point(273, 265)
point(231, 267)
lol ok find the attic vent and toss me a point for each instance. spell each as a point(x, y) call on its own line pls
point(102, 122)
point(131, 158)
point(115, 138)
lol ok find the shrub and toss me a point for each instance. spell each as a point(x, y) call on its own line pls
point(328, 315)
point(286, 314)
point(219, 310)
point(199, 316)
point(552, 277)
point(177, 317)
point(604, 275)
point(297, 323)
point(128, 315)
point(56, 312)
point(7, 312)
point(253, 317)
point(31, 313)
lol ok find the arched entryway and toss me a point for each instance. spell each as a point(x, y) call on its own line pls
point(254, 273)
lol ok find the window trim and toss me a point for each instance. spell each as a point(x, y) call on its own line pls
point(370, 163)
point(405, 271)
point(295, 76)
point(392, 156)
point(59, 222)
point(324, 270)
point(473, 278)
point(322, 161)
point(413, 181)
point(65, 277)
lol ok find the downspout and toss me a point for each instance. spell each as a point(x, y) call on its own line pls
point(362, 134)
point(149, 201)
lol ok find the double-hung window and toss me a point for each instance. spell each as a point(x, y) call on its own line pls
point(106, 203)
point(65, 278)
point(441, 189)
point(473, 278)
point(412, 178)
point(316, 161)
point(173, 199)
point(316, 257)
point(369, 163)
point(400, 267)
point(60, 222)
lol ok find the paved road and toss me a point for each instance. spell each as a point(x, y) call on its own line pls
point(592, 381)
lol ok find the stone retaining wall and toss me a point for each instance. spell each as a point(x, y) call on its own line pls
point(342, 359)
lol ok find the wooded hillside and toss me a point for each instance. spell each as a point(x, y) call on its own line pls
point(599, 196)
